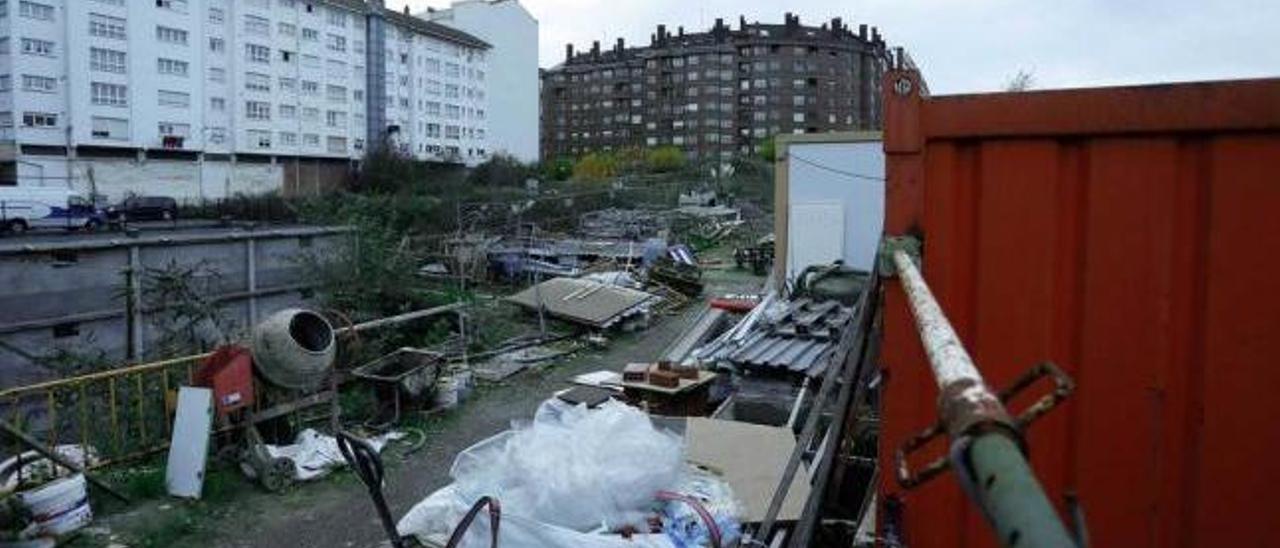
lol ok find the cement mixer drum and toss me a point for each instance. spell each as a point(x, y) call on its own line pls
point(294, 349)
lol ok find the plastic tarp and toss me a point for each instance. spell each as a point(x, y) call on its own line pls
point(563, 480)
point(315, 454)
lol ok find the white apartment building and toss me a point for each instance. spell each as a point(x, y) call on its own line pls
point(208, 98)
point(513, 69)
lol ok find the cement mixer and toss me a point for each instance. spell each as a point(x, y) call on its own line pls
point(292, 352)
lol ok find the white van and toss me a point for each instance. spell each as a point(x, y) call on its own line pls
point(23, 208)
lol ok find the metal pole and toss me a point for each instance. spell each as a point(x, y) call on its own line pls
point(987, 450)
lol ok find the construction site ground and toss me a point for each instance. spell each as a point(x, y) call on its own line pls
point(337, 511)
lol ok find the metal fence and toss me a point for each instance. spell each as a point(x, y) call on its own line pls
point(122, 414)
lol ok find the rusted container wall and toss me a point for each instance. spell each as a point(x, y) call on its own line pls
point(1130, 235)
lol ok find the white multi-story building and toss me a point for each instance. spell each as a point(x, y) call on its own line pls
point(513, 69)
point(208, 98)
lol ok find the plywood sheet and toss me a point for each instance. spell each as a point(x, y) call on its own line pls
point(751, 457)
point(189, 447)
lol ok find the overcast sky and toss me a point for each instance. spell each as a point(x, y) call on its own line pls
point(974, 45)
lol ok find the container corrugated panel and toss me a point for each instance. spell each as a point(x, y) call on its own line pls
point(1130, 235)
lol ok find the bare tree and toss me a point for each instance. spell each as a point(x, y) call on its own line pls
point(1023, 81)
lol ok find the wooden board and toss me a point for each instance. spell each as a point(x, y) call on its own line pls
point(751, 458)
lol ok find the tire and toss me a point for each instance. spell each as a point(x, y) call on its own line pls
point(167, 215)
point(16, 226)
point(92, 225)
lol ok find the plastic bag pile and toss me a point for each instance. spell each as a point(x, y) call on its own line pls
point(569, 473)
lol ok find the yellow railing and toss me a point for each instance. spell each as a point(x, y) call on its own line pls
point(123, 414)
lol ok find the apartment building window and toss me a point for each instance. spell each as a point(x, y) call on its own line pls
point(335, 118)
point(288, 84)
point(112, 95)
point(107, 60)
point(111, 2)
point(217, 135)
point(170, 35)
point(254, 81)
point(217, 15)
point(259, 138)
point(257, 110)
point(4, 9)
point(287, 56)
point(217, 104)
point(337, 43)
point(452, 112)
point(179, 6)
point(311, 61)
point(433, 130)
point(797, 117)
point(115, 129)
point(452, 70)
point(451, 91)
point(105, 26)
point(433, 108)
point(31, 46)
point(310, 114)
point(288, 138)
point(39, 84)
point(337, 18)
point(178, 99)
point(173, 129)
point(288, 112)
point(310, 88)
point(6, 82)
point(286, 29)
point(452, 132)
point(337, 145)
point(217, 74)
point(336, 69)
point(256, 26)
point(310, 35)
point(172, 67)
point(310, 139)
point(217, 45)
point(288, 4)
point(336, 94)
point(358, 95)
point(35, 10)
point(39, 119)
point(358, 47)
point(255, 53)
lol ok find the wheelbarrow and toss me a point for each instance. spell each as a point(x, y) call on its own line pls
point(408, 374)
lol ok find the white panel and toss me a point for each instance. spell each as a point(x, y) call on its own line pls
point(852, 174)
point(816, 234)
point(189, 445)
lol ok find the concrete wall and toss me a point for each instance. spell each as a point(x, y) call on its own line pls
point(71, 295)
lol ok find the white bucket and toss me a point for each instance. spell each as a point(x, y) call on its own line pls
point(59, 507)
point(446, 393)
point(464, 382)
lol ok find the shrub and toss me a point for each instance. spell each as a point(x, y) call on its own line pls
point(663, 159)
point(500, 170)
point(595, 167)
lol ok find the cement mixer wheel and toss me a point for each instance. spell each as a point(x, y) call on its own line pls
point(277, 475)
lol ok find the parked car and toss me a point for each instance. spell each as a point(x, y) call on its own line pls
point(144, 208)
point(23, 208)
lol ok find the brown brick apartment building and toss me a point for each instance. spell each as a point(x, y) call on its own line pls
point(715, 93)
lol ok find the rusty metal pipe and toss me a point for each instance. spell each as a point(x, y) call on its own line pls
point(988, 453)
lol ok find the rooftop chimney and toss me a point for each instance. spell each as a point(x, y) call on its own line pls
point(862, 32)
point(836, 25)
point(595, 49)
point(621, 45)
point(568, 52)
point(742, 22)
point(680, 30)
point(406, 9)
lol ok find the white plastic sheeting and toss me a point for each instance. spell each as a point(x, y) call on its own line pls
point(561, 480)
point(315, 454)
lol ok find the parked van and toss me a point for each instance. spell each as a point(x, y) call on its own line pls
point(24, 208)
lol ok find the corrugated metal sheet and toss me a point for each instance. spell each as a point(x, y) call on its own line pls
point(1131, 236)
point(801, 338)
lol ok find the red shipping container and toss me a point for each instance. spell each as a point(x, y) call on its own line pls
point(1130, 235)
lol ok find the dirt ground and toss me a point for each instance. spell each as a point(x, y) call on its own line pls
point(337, 512)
